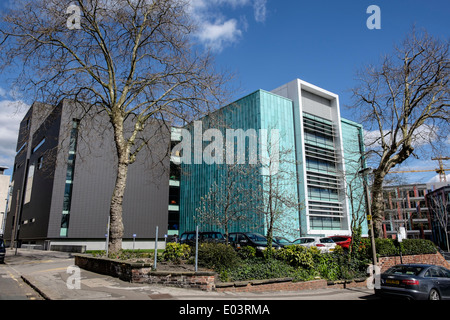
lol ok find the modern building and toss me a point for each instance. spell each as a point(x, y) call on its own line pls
point(174, 187)
point(4, 195)
point(318, 150)
point(64, 174)
point(405, 206)
point(416, 207)
point(438, 201)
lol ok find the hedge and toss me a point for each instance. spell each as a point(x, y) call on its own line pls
point(390, 247)
point(417, 246)
point(297, 262)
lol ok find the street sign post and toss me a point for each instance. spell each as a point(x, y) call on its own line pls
point(156, 248)
point(401, 234)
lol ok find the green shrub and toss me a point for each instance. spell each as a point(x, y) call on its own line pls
point(176, 252)
point(390, 247)
point(303, 274)
point(417, 246)
point(247, 252)
point(217, 256)
point(263, 268)
point(326, 265)
point(296, 256)
point(124, 254)
point(386, 247)
point(257, 269)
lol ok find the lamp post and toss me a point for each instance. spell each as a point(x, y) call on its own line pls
point(365, 172)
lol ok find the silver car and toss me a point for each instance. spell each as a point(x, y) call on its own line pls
point(415, 281)
point(322, 243)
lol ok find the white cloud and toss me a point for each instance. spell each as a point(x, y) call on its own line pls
point(260, 7)
point(11, 113)
point(218, 34)
point(436, 178)
point(216, 30)
point(422, 136)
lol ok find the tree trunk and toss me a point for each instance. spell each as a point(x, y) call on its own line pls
point(116, 208)
point(377, 206)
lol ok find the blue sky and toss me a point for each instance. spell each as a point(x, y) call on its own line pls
point(270, 42)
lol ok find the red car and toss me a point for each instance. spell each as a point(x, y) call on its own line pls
point(343, 241)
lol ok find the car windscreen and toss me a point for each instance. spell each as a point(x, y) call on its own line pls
point(326, 240)
point(256, 237)
point(304, 240)
point(339, 239)
point(404, 270)
point(213, 235)
point(283, 241)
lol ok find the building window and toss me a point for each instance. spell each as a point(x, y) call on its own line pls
point(39, 145)
point(325, 223)
point(21, 148)
point(40, 162)
point(323, 182)
point(67, 200)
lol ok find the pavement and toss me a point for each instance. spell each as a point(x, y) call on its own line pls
point(53, 275)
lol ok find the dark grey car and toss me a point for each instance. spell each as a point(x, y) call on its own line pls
point(259, 242)
point(2, 251)
point(415, 281)
point(209, 236)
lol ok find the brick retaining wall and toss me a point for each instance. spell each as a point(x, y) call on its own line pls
point(284, 284)
point(436, 259)
point(142, 273)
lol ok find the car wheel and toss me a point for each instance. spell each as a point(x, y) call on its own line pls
point(434, 295)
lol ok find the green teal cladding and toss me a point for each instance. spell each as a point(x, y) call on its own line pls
point(259, 110)
point(197, 179)
point(278, 113)
point(352, 137)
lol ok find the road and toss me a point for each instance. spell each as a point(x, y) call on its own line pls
point(12, 286)
point(49, 271)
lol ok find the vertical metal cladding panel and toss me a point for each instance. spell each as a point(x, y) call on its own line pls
point(277, 113)
point(259, 110)
point(352, 137)
point(146, 194)
point(39, 187)
point(196, 179)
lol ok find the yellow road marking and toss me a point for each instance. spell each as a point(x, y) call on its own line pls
point(48, 270)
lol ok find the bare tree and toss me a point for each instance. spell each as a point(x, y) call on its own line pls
point(439, 206)
point(230, 201)
point(404, 102)
point(278, 188)
point(357, 200)
point(134, 59)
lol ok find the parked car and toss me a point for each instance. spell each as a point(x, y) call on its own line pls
point(322, 243)
point(343, 241)
point(204, 236)
point(415, 281)
point(2, 251)
point(282, 241)
point(256, 240)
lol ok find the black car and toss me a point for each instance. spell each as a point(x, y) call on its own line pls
point(2, 251)
point(282, 241)
point(415, 281)
point(208, 236)
point(256, 240)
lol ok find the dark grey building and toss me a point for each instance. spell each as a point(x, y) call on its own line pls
point(64, 175)
point(438, 201)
